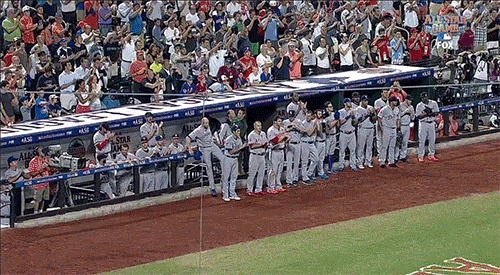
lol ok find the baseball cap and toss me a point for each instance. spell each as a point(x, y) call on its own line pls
point(223, 77)
point(159, 137)
point(11, 159)
point(246, 49)
point(346, 100)
point(355, 94)
point(189, 77)
point(423, 94)
point(175, 136)
point(53, 96)
point(148, 114)
point(234, 127)
point(364, 98)
point(144, 139)
point(393, 98)
point(26, 8)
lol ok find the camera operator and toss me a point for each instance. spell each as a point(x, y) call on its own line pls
point(39, 167)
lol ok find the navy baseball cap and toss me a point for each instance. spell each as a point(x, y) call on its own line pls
point(393, 98)
point(189, 77)
point(148, 114)
point(11, 159)
point(144, 139)
point(235, 127)
point(160, 137)
point(346, 100)
point(364, 98)
point(175, 136)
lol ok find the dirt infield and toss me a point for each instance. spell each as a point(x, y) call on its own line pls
point(169, 230)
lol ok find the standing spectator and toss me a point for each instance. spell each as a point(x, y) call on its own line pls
point(346, 54)
point(363, 57)
point(84, 96)
point(481, 74)
point(466, 40)
point(263, 59)
point(270, 26)
point(397, 45)
point(124, 10)
point(415, 46)
point(201, 86)
point(91, 13)
point(68, 8)
point(135, 19)
point(322, 56)
point(426, 39)
point(11, 28)
point(252, 25)
point(46, 82)
point(411, 15)
point(282, 65)
point(49, 8)
point(26, 106)
point(39, 167)
point(295, 56)
point(7, 99)
point(188, 87)
point(41, 110)
point(479, 26)
point(382, 43)
point(435, 6)
point(493, 37)
point(154, 11)
point(248, 63)
point(105, 18)
point(27, 28)
point(138, 71)
point(306, 46)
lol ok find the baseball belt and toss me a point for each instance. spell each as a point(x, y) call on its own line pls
point(347, 132)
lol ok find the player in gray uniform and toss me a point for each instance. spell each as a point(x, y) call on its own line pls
point(162, 178)
point(347, 138)
point(407, 115)
point(257, 141)
point(225, 129)
point(379, 104)
point(203, 136)
point(124, 176)
point(233, 145)
point(298, 107)
point(320, 143)
point(277, 138)
point(12, 175)
point(150, 129)
point(332, 123)
point(147, 172)
point(308, 152)
point(426, 112)
point(389, 120)
point(355, 100)
point(366, 129)
point(292, 150)
point(105, 180)
point(176, 148)
point(102, 140)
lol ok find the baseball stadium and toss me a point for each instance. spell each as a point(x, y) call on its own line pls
point(249, 137)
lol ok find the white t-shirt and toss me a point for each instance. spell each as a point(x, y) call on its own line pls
point(309, 56)
point(411, 17)
point(325, 62)
point(65, 78)
point(481, 71)
point(171, 34)
point(70, 7)
point(157, 8)
point(193, 18)
point(215, 62)
point(346, 60)
point(233, 7)
point(263, 59)
point(128, 52)
point(89, 44)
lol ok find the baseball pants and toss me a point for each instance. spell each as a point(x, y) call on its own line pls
point(365, 145)
point(180, 176)
point(207, 158)
point(106, 188)
point(229, 176)
point(162, 179)
point(292, 162)
point(123, 179)
point(277, 161)
point(321, 148)
point(308, 152)
point(147, 180)
point(403, 151)
point(347, 141)
point(257, 167)
point(379, 139)
point(426, 131)
point(389, 138)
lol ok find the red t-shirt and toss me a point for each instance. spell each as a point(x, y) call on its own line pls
point(383, 47)
point(204, 6)
point(244, 62)
point(27, 22)
point(400, 95)
point(417, 52)
point(92, 14)
point(34, 166)
point(201, 88)
point(136, 67)
point(427, 43)
point(7, 59)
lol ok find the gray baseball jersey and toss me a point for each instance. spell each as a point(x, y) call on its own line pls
point(329, 120)
point(202, 136)
point(9, 173)
point(98, 138)
point(121, 158)
point(253, 137)
point(363, 116)
point(308, 125)
point(176, 149)
point(347, 126)
point(420, 110)
point(146, 129)
point(389, 116)
point(406, 118)
point(380, 103)
point(272, 133)
point(295, 107)
point(232, 143)
point(294, 133)
point(142, 154)
point(320, 133)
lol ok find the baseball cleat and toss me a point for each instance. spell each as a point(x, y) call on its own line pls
point(341, 169)
point(369, 165)
point(251, 194)
point(262, 193)
point(307, 182)
point(393, 165)
point(213, 193)
point(404, 160)
point(382, 165)
point(236, 198)
point(361, 167)
point(433, 159)
point(313, 178)
point(323, 176)
point(226, 199)
point(273, 192)
point(354, 169)
point(281, 190)
point(421, 159)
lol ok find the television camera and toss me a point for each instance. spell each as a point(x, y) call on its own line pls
point(64, 161)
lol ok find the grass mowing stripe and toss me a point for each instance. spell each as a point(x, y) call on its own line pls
point(398, 242)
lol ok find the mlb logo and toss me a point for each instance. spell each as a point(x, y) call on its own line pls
point(445, 36)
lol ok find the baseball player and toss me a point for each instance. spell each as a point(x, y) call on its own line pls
point(298, 107)
point(426, 112)
point(407, 115)
point(292, 150)
point(347, 138)
point(389, 120)
point(162, 178)
point(257, 141)
point(124, 177)
point(320, 143)
point(332, 123)
point(366, 129)
point(277, 137)
point(308, 151)
point(203, 135)
point(233, 147)
point(379, 104)
point(147, 172)
point(225, 129)
point(150, 129)
point(102, 140)
point(176, 148)
point(356, 100)
point(102, 160)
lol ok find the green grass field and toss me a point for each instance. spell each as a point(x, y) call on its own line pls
point(399, 242)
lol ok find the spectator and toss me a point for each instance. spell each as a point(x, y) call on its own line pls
point(201, 86)
point(68, 9)
point(49, 8)
point(138, 71)
point(363, 57)
point(453, 126)
point(223, 85)
point(466, 40)
point(150, 88)
point(8, 101)
point(27, 106)
point(411, 15)
point(11, 27)
point(111, 100)
point(397, 45)
point(382, 43)
point(295, 56)
point(263, 59)
point(248, 63)
point(47, 81)
point(27, 28)
point(188, 87)
point(53, 108)
point(480, 29)
point(270, 26)
point(92, 13)
point(84, 97)
point(265, 76)
point(39, 167)
point(105, 18)
point(135, 19)
point(322, 56)
point(346, 54)
point(306, 46)
point(415, 45)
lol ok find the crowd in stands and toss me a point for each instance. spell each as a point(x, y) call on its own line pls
point(72, 56)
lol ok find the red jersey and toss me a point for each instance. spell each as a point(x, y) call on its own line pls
point(383, 47)
point(417, 52)
point(91, 14)
point(201, 88)
point(244, 63)
point(427, 43)
point(136, 67)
